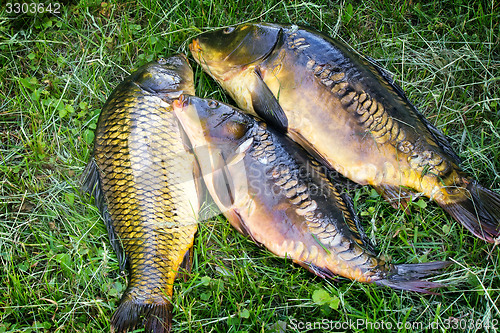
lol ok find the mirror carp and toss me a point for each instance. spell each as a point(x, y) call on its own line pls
point(346, 111)
point(270, 189)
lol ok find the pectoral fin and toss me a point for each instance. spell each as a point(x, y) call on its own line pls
point(184, 137)
point(201, 189)
point(224, 188)
point(266, 105)
point(240, 152)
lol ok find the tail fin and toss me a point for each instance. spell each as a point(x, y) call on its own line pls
point(480, 212)
point(157, 316)
point(407, 277)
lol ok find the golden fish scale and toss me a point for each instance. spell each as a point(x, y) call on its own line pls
point(155, 255)
point(328, 248)
point(136, 145)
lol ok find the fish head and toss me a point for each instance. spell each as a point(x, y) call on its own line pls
point(221, 52)
point(166, 77)
point(220, 136)
point(211, 123)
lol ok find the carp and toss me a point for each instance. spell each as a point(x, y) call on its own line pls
point(346, 111)
point(270, 189)
point(145, 182)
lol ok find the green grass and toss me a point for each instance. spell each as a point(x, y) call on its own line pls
point(57, 271)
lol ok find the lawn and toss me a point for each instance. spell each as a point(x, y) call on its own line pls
point(58, 272)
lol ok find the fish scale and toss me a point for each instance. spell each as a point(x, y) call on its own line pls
point(266, 185)
point(347, 111)
point(290, 182)
point(147, 179)
point(151, 271)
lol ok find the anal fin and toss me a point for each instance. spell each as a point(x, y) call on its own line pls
point(397, 196)
point(321, 272)
point(186, 265)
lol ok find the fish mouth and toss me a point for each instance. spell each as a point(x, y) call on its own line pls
point(195, 46)
point(181, 102)
point(186, 118)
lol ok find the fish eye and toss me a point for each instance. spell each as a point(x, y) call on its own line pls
point(213, 104)
point(235, 129)
point(228, 30)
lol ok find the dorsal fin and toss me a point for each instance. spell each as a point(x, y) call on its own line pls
point(91, 184)
point(352, 220)
point(357, 229)
point(438, 135)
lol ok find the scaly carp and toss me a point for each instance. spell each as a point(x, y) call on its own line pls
point(269, 188)
point(145, 179)
point(348, 112)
